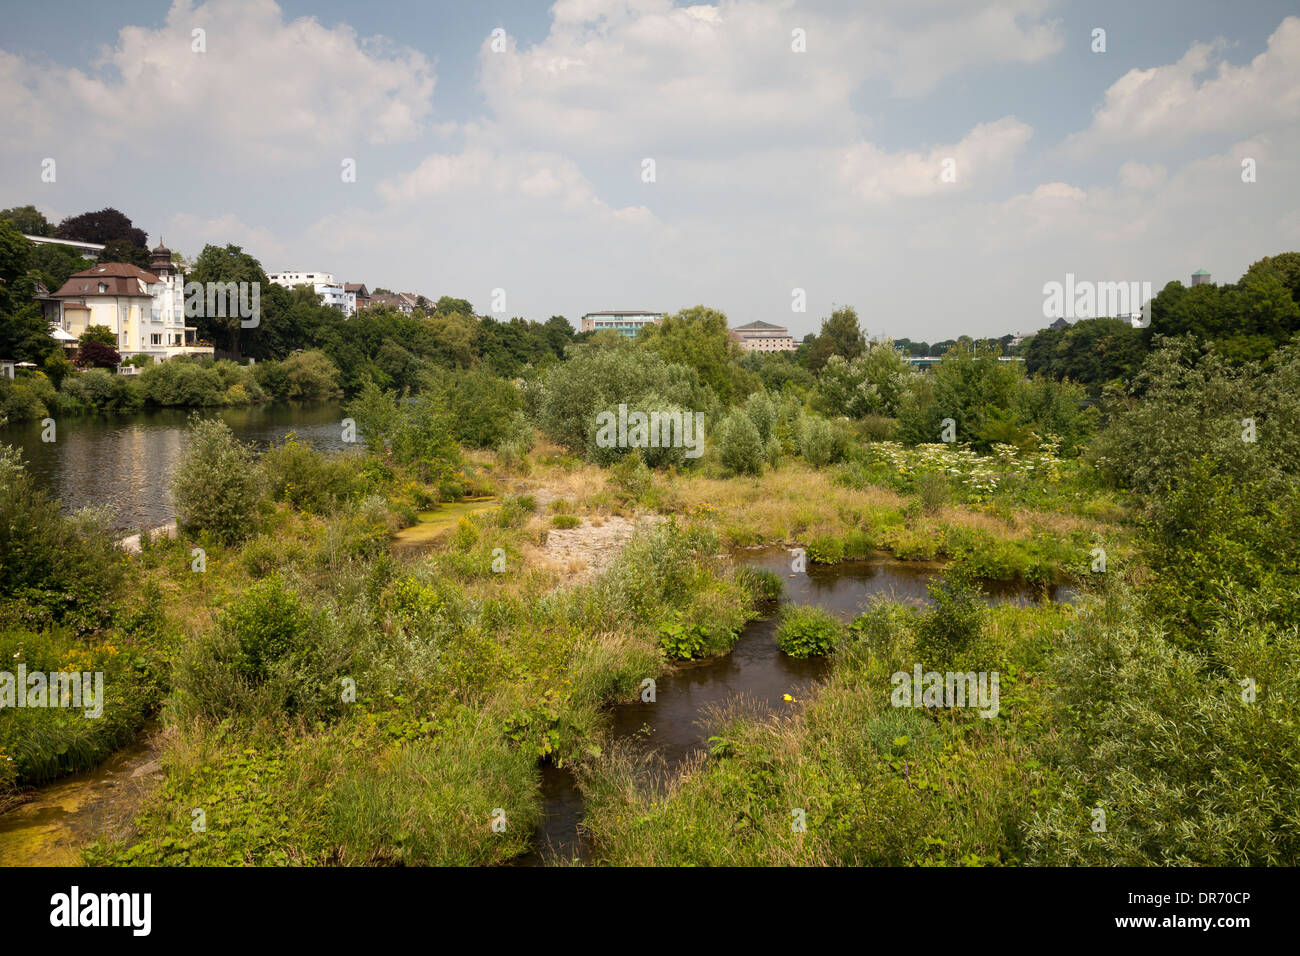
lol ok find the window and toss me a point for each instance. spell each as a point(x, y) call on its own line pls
point(155, 339)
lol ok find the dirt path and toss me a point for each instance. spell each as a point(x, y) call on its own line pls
point(581, 552)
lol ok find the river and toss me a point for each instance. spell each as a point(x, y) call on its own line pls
point(126, 461)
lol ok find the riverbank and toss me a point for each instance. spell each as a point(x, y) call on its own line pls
point(488, 656)
point(124, 462)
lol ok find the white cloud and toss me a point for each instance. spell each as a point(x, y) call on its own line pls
point(267, 92)
point(983, 156)
point(1199, 96)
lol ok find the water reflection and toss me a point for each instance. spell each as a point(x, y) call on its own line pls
point(126, 461)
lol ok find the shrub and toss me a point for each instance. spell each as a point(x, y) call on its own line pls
point(565, 521)
point(481, 405)
point(740, 445)
point(270, 654)
point(808, 630)
point(306, 478)
point(217, 487)
point(820, 443)
point(415, 431)
point(182, 382)
point(53, 569)
point(1188, 769)
point(309, 376)
point(932, 489)
point(953, 623)
point(101, 390)
point(598, 378)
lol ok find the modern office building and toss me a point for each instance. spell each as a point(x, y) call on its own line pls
point(627, 323)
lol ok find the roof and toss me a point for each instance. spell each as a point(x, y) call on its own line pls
point(122, 278)
point(357, 287)
point(1201, 272)
point(760, 326)
point(623, 312)
point(64, 242)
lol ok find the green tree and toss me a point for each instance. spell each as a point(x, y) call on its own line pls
point(28, 220)
point(698, 338)
point(840, 335)
point(224, 265)
point(217, 487)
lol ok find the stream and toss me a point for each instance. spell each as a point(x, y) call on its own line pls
point(65, 815)
point(676, 725)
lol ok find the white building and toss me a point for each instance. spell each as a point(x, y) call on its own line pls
point(324, 284)
point(627, 323)
point(144, 309)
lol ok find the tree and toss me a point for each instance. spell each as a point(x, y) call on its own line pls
point(98, 355)
point(103, 226)
point(124, 250)
point(217, 487)
point(698, 338)
point(54, 264)
point(225, 265)
point(840, 335)
point(447, 305)
point(98, 334)
point(28, 220)
point(24, 333)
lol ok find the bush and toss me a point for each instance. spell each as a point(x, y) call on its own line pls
point(53, 569)
point(808, 630)
point(1189, 769)
point(820, 443)
point(100, 390)
point(740, 444)
point(217, 488)
point(309, 376)
point(932, 490)
point(307, 479)
point(415, 431)
point(481, 405)
point(269, 655)
point(953, 623)
point(598, 378)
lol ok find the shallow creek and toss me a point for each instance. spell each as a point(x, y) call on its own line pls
point(677, 724)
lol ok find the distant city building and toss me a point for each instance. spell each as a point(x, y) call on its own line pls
point(332, 292)
point(145, 310)
point(627, 323)
point(88, 250)
point(764, 337)
point(1200, 277)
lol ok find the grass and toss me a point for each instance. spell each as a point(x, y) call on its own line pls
point(473, 659)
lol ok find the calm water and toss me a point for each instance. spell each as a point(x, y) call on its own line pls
point(689, 698)
point(126, 461)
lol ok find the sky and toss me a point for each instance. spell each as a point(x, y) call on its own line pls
point(933, 163)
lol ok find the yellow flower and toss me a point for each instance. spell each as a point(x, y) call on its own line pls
point(787, 698)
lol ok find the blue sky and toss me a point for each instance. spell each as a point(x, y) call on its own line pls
point(521, 170)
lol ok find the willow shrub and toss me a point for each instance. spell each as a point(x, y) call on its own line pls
point(1190, 756)
point(217, 487)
